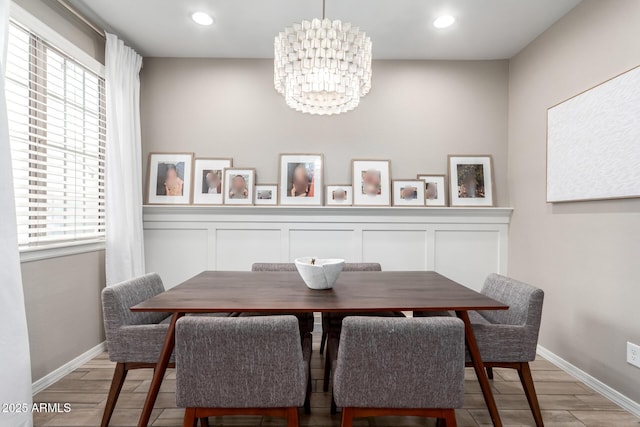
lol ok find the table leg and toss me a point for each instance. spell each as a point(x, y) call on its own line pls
point(478, 365)
point(159, 371)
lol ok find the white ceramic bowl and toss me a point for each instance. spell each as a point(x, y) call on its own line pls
point(320, 275)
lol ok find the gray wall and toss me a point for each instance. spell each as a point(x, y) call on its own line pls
point(584, 255)
point(62, 295)
point(64, 314)
point(416, 113)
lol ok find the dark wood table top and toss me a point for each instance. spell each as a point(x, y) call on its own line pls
point(225, 291)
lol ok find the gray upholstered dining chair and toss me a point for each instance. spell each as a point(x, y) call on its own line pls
point(509, 338)
point(393, 366)
point(332, 322)
point(134, 340)
point(246, 366)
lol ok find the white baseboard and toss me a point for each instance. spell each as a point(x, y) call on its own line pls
point(67, 368)
point(600, 387)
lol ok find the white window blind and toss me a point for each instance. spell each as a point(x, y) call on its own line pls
point(56, 109)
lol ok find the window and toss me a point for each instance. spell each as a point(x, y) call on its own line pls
point(56, 109)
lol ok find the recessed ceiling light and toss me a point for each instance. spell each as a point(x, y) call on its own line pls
point(444, 21)
point(202, 18)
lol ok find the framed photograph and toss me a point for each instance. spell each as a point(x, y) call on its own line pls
point(435, 189)
point(301, 180)
point(408, 192)
point(339, 195)
point(371, 182)
point(209, 180)
point(169, 179)
point(471, 180)
point(266, 194)
point(239, 186)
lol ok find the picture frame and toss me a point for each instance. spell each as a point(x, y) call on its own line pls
point(266, 195)
point(435, 190)
point(208, 180)
point(239, 186)
point(471, 180)
point(339, 195)
point(301, 180)
point(408, 192)
point(371, 182)
point(169, 178)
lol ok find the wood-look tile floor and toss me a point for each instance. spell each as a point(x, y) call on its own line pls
point(565, 401)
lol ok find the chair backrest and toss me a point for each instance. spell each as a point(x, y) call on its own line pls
point(289, 266)
point(273, 266)
point(524, 301)
point(119, 298)
point(249, 362)
point(400, 363)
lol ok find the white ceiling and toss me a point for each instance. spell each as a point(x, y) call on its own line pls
point(399, 29)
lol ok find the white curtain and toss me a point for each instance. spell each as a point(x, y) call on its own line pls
point(15, 361)
point(125, 246)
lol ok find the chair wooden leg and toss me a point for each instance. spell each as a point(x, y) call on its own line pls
point(334, 407)
point(441, 422)
point(327, 369)
point(490, 373)
point(119, 375)
point(190, 419)
point(204, 422)
point(292, 417)
point(307, 398)
point(450, 418)
point(524, 371)
point(347, 417)
point(323, 342)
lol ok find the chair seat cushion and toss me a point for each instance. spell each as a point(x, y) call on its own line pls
point(497, 343)
point(138, 343)
point(502, 343)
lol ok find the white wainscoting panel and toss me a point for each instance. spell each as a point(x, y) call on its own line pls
point(396, 249)
point(176, 254)
point(464, 244)
point(467, 256)
point(323, 243)
point(237, 249)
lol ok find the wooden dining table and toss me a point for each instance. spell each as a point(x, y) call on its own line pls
point(285, 292)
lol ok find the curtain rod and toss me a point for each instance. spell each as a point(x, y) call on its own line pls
point(81, 17)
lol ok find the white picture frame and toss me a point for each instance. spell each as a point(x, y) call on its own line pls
point(243, 194)
point(339, 195)
point(169, 178)
point(375, 192)
point(471, 180)
point(207, 172)
point(266, 195)
point(435, 190)
point(408, 192)
point(301, 180)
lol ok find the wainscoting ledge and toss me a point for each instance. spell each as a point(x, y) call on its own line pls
point(162, 213)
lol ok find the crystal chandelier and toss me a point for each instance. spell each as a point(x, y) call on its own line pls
point(322, 66)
